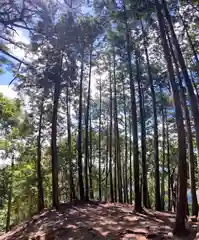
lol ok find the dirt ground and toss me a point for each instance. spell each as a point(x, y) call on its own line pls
point(95, 221)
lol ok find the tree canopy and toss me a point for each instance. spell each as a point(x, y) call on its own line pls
point(107, 107)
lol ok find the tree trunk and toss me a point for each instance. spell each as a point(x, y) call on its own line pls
point(91, 163)
point(126, 150)
point(130, 164)
point(138, 204)
point(192, 97)
point(163, 151)
point(40, 205)
point(72, 188)
point(189, 138)
point(79, 147)
point(168, 164)
point(100, 122)
point(117, 137)
point(156, 151)
point(180, 227)
point(106, 167)
point(143, 145)
point(115, 168)
point(86, 126)
point(10, 197)
point(57, 91)
point(110, 136)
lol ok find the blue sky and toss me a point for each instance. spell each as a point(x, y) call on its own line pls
point(5, 78)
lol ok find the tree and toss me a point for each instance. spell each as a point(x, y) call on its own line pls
point(95, 87)
point(134, 117)
point(156, 151)
point(180, 215)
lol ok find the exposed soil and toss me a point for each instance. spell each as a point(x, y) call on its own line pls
point(98, 221)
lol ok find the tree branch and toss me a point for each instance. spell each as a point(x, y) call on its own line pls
point(15, 58)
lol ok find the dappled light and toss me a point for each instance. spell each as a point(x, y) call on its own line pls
point(101, 221)
point(99, 119)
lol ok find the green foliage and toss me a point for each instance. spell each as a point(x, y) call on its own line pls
point(67, 47)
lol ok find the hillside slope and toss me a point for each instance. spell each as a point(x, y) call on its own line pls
point(94, 221)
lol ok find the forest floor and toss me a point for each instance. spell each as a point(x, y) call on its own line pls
point(95, 221)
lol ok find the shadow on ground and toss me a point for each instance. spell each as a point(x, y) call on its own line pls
point(94, 221)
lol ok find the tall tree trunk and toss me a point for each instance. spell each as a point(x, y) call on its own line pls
point(138, 204)
point(180, 227)
point(91, 162)
point(57, 91)
point(40, 205)
point(156, 151)
point(163, 150)
point(143, 145)
point(168, 164)
point(189, 138)
point(117, 137)
point(79, 147)
point(115, 167)
point(54, 147)
point(173, 191)
point(130, 165)
point(100, 122)
point(106, 166)
point(10, 197)
point(126, 150)
point(110, 136)
point(72, 188)
point(192, 97)
point(86, 126)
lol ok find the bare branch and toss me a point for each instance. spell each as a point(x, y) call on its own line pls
point(15, 58)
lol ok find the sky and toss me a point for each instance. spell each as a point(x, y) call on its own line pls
point(20, 36)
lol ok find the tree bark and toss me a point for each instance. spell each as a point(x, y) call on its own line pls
point(79, 147)
point(91, 163)
point(138, 204)
point(86, 126)
point(126, 150)
point(168, 164)
point(106, 166)
point(10, 197)
point(117, 137)
point(130, 164)
point(57, 91)
point(156, 151)
point(72, 188)
point(189, 138)
point(100, 122)
point(180, 227)
point(163, 151)
point(192, 97)
point(110, 136)
point(40, 205)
